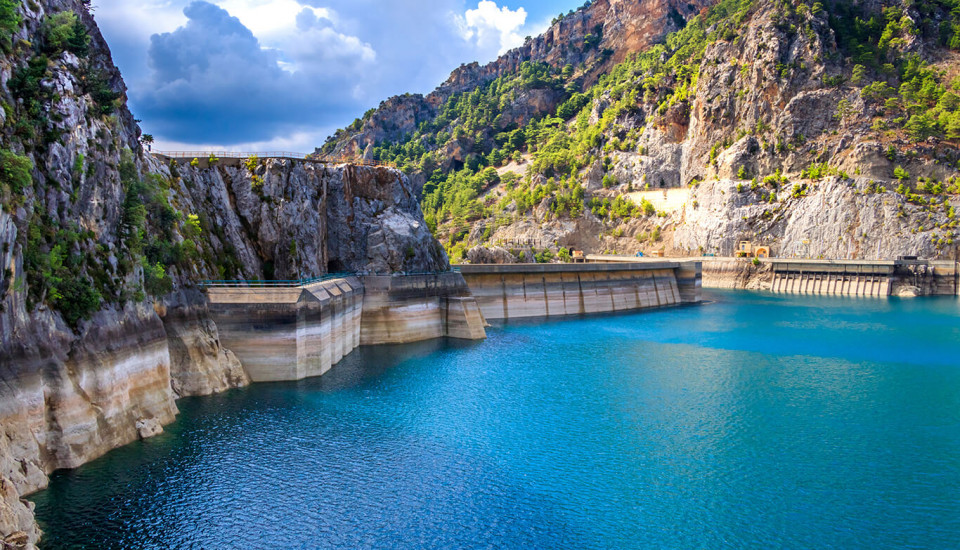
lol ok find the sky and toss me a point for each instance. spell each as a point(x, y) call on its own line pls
point(271, 75)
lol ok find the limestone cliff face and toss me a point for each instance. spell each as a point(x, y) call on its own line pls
point(606, 31)
point(291, 220)
point(834, 219)
point(102, 326)
point(780, 137)
point(376, 225)
point(66, 396)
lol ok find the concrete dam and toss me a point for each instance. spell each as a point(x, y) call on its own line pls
point(514, 291)
point(863, 278)
point(286, 333)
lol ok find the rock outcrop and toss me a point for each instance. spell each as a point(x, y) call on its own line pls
point(596, 37)
point(102, 326)
point(799, 126)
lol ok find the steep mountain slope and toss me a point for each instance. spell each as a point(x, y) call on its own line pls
point(590, 40)
point(102, 326)
point(823, 129)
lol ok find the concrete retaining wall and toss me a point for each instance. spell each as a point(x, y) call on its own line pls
point(412, 308)
point(289, 333)
point(295, 333)
point(547, 290)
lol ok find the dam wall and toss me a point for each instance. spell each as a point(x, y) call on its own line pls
point(515, 291)
point(411, 308)
point(296, 332)
point(289, 333)
point(827, 277)
point(835, 277)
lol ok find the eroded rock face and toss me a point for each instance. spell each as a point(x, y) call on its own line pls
point(293, 220)
point(834, 218)
point(67, 399)
point(491, 255)
point(70, 392)
point(16, 515)
point(199, 364)
point(376, 226)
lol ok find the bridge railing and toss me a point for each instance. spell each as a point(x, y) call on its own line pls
point(296, 283)
point(229, 154)
point(277, 283)
point(206, 155)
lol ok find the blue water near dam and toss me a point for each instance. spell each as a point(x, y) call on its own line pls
point(752, 421)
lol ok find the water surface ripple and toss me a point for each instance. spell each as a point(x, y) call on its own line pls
point(752, 421)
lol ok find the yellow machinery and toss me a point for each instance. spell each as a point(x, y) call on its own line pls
point(747, 250)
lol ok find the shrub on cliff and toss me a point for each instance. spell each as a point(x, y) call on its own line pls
point(14, 173)
point(9, 22)
point(155, 279)
point(65, 31)
point(77, 299)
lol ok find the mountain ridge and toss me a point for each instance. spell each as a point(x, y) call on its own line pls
point(774, 100)
point(594, 35)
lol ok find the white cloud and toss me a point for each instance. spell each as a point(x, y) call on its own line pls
point(138, 20)
point(316, 46)
point(490, 27)
point(295, 142)
point(271, 19)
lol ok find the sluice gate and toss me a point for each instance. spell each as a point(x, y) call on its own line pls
point(833, 278)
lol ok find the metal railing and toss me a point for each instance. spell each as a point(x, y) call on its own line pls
point(207, 155)
point(229, 154)
point(280, 283)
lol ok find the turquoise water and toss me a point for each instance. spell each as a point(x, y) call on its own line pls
point(752, 421)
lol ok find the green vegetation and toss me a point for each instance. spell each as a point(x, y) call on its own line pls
point(14, 177)
point(53, 270)
point(153, 245)
point(64, 31)
point(9, 23)
point(820, 170)
point(559, 145)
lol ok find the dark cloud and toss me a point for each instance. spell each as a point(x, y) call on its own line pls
point(213, 82)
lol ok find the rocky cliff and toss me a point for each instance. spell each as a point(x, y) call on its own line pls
point(820, 129)
point(593, 38)
point(102, 326)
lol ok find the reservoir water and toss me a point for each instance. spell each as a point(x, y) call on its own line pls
point(752, 421)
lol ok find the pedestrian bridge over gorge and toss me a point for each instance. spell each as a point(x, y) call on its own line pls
point(290, 330)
